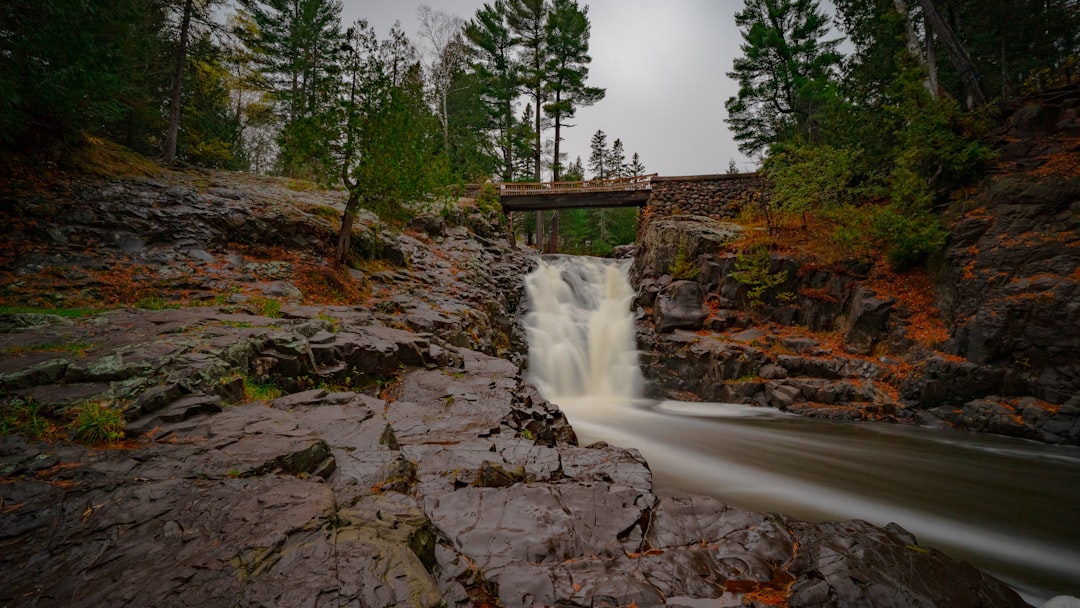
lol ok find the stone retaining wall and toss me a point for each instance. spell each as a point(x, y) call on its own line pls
point(716, 196)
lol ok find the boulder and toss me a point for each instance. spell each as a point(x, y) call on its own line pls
point(680, 305)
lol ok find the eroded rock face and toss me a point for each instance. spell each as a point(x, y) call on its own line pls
point(680, 305)
point(987, 343)
point(457, 485)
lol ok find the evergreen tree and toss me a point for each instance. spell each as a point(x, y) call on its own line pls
point(783, 75)
point(575, 172)
point(567, 36)
point(297, 43)
point(194, 17)
point(598, 155)
point(617, 160)
point(389, 150)
point(68, 66)
point(636, 168)
point(209, 136)
point(527, 20)
point(491, 52)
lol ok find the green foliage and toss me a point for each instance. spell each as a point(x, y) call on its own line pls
point(25, 417)
point(488, 198)
point(60, 312)
point(907, 239)
point(155, 302)
point(810, 178)
point(208, 128)
point(784, 75)
point(97, 423)
point(752, 268)
point(683, 268)
point(68, 66)
point(260, 391)
point(267, 307)
point(76, 348)
point(296, 44)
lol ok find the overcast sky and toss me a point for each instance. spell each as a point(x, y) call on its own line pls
point(663, 65)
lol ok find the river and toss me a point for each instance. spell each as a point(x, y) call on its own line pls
point(1008, 506)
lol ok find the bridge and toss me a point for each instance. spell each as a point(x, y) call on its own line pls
point(616, 192)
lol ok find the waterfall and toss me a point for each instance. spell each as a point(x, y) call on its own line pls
point(581, 330)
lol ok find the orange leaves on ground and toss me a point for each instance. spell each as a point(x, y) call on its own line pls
point(770, 593)
point(1065, 163)
point(820, 294)
point(913, 291)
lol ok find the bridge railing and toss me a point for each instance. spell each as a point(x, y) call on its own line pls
point(618, 184)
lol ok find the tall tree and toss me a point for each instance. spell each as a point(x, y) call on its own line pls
point(389, 149)
point(297, 44)
point(784, 74)
point(958, 55)
point(527, 20)
point(598, 155)
point(443, 54)
point(179, 64)
point(210, 133)
point(491, 47)
point(617, 159)
point(70, 66)
point(567, 34)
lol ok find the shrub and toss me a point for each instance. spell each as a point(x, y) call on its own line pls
point(260, 391)
point(97, 423)
point(907, 239)
point(682, 268)
point(25, 417)
point(752, 270)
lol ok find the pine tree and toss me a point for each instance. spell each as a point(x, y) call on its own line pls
point(297, 44)
point(527, 20)
point(617, 160)
point(567, 35)
point(575, 172)
point(389, 152)
point(636, 168)
point(491, 53)
point(69, 66)
point(598, 156)
point(784, 73)
point(209, 136)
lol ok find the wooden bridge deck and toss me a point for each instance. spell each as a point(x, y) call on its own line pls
point(617, 192)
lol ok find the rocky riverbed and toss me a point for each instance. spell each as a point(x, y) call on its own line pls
point(304, 435)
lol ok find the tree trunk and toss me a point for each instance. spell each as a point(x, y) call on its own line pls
point(177, 85)
point(553, 243)
point(958, 56)
point(345, 235)
point(915, 49)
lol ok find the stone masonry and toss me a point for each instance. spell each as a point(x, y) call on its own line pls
point(716, 196)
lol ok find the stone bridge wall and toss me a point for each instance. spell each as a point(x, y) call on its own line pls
point(716, 196)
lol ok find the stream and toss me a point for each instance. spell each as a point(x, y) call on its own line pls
point(1007, 506)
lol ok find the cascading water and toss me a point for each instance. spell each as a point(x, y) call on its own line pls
point(580, 330)
point(1005, 505)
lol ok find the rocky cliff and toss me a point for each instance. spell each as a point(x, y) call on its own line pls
point(304, 435)
point(987, 341)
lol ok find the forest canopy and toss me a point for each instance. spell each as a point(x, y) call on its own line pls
point(285, 87)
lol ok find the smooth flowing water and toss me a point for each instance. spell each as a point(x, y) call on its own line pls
point(1008, 506)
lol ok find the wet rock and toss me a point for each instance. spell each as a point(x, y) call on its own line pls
point(680, 305)
point(869, 320)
